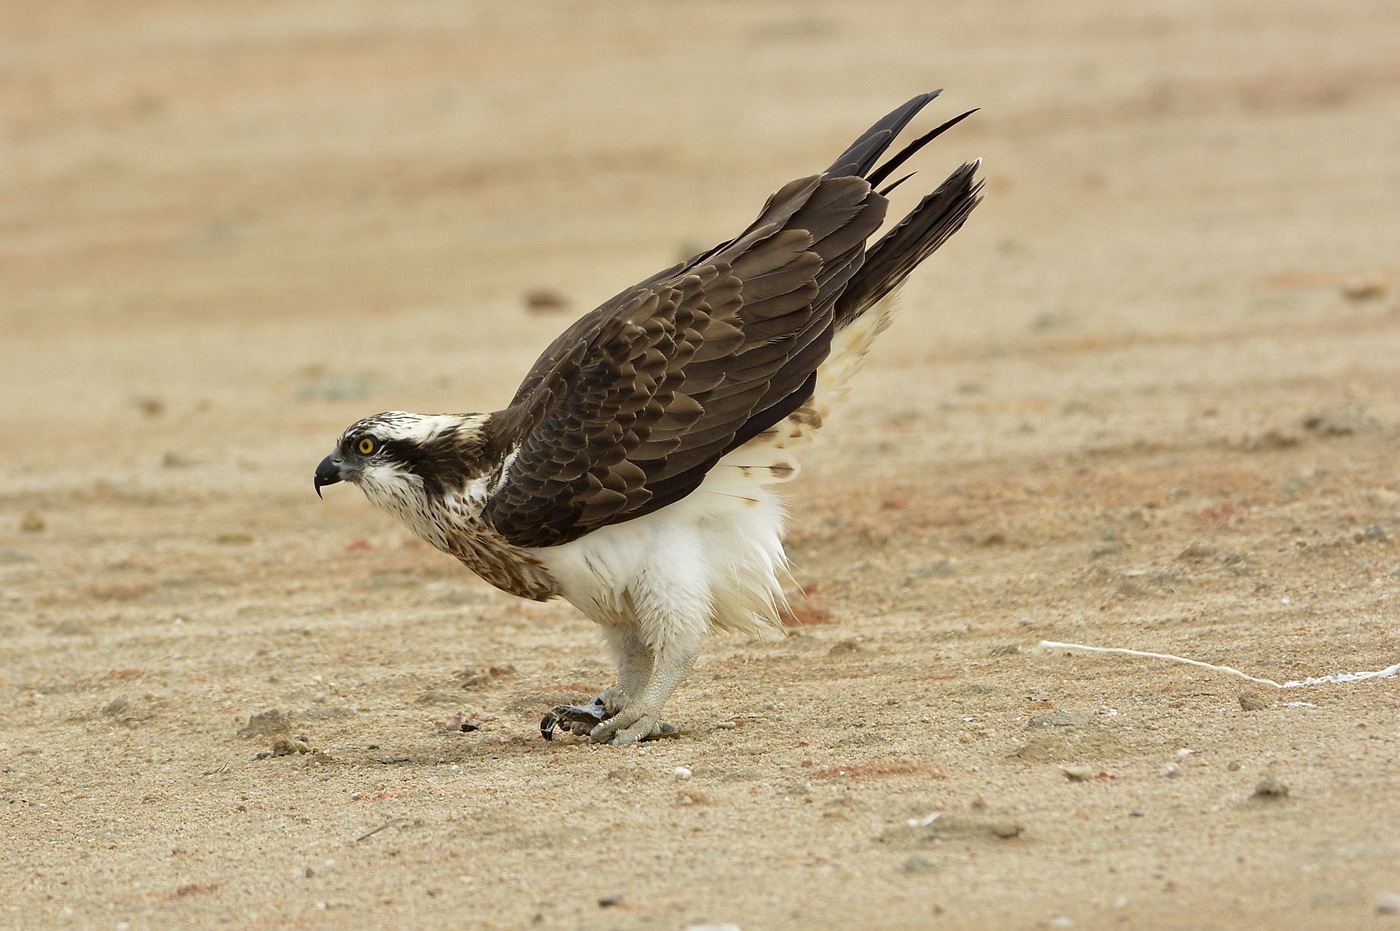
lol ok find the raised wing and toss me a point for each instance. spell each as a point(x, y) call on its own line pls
point(631, 406)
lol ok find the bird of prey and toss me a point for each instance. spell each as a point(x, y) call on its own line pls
point(631, 473)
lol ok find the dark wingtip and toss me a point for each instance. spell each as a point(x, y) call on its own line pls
point(883, 172)
point(865, 151)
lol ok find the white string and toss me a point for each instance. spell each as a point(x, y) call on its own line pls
point(1320, 680)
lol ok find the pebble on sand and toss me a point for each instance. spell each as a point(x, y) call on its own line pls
point(544, 301)
point(1388, 903)
point(1270, 787)
point(1249, 701)
point(919, 863)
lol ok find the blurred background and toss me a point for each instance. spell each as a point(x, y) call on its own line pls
point(1149, 396)
point(253, 210)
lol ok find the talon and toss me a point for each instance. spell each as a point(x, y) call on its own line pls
point(575, 719)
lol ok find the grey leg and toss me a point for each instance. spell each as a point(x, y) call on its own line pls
point(642, 716)
point(634, 665)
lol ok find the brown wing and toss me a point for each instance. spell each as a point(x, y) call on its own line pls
point(630, 408)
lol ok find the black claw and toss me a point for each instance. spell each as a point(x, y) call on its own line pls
point(572, 716)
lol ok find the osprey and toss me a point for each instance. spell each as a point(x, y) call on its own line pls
point(631, 474)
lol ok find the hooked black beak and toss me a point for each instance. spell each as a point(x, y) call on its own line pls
point(327, 473)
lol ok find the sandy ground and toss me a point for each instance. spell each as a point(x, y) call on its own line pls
point(1147, 398)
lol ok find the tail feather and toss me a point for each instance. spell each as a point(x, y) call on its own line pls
point(913, 239)
point(883, 172)
point(866, 151)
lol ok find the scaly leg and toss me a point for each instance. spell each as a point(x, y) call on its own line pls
point(671, 624)
point(634, 663)
point(641, 718)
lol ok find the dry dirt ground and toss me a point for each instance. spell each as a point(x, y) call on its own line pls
point(1147, 398)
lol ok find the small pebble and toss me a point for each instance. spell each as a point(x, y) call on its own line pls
point(1171, 770)
point(1252, 702)
point(1365, 287)
point(544, 301)
point(1270, 788)
point(1388, 903)
point(920, 863)
point(1006, 829)
point(683, 773)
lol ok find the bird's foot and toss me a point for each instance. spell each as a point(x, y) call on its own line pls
point(574, 719)
point(580, 720)
point(629, 726)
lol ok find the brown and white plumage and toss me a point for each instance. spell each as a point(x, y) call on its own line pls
point(630, 474)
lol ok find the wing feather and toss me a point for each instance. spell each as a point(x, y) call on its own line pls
point(634, 403)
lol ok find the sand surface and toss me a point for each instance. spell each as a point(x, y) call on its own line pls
point(1149, 398)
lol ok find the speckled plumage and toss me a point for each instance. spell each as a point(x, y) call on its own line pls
point(631, 472)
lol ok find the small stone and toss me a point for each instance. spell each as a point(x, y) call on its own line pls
point(1388, 903)
point(1077, 773)
point(33, 522)
point(1249, 701)
point(920, 863)
point(1006, 829)
point(288, 746)
point(1171, 770)
point(1364, 288)
point(544, 301)
point(1270, 788)
point(682, 773)
point(115, 707)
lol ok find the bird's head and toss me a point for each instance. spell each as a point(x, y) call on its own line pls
point(400, 459)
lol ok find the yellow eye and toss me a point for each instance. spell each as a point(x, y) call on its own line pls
point(366, 446)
